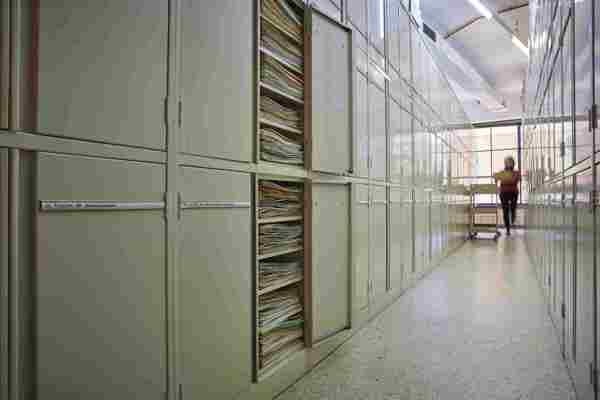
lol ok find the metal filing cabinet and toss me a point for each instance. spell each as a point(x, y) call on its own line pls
point(332, 70)
point(330, 8)
point(215, 284)
point(360, 245)
point(330, 259)
point(377, 133)
point(99, 293)
point(218, 91)
point(378, 243)
point(98, 78)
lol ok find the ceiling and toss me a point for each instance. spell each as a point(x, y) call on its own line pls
point(487, 49)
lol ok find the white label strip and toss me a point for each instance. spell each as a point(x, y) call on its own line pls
point(186, 205)
point(82, 205)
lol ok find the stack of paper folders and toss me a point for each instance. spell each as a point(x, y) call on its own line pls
point(279, 309)
point(283, 16)
point(279, 345)
point(279, 237)
point(274, 111)
point(282, 46)
point(278, 147)
point(275, 74)
point(278, 199)
point(277, 273)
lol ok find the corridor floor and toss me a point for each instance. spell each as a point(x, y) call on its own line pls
point(476, 328)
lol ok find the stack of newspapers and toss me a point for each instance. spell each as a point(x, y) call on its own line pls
point(277, 147)
point(279, 199)
point(283, 16)
point(274, 238)
point(275, 111)
point(277, 273)
point(285, 80)
point(273, 41)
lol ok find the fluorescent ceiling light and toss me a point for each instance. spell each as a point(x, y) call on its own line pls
point(520, 45)
point(481, 8)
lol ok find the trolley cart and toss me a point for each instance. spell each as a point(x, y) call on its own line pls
point(484, 209)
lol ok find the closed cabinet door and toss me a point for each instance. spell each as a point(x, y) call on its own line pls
point(400, 237)
point(585, 307)
point(378, 243)
point(217, 78)
point(357, 14)
point(361, 125)
point(331, 101)
point(360, 244)
point(215, 284)
point(377, 133)
point(99, 79)
point(99, 293)
point(330, 259)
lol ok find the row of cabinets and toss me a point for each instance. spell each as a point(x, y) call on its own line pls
point(97, 304)
point(561, 239)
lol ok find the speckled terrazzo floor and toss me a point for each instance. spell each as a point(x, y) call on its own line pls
point(476, 328)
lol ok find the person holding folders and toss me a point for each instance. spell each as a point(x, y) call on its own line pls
point(509, 180)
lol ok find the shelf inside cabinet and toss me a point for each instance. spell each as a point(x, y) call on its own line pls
point(278, 93)
point(282, 127)
point(282, 60)
point(279, 286)
point(280, 253)
point(280, 219)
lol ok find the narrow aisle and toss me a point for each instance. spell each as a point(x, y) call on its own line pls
point(476, 328)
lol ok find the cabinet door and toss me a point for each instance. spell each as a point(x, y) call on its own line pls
point(400, 221)
point(331, 87)
point(357, 14)
point(217, 76)
point(378, 243)
point(215, 284)
point(330, 259)
point(329, 8)
point(103, 70)
point(377, 132)
point(99, 291)
point(361, 126)
point(360, 244)
point(585, 285)
point(4, 275)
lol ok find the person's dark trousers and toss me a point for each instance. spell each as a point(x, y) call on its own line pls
point(509, 207)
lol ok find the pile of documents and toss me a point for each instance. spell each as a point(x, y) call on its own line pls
point(283, 16)
point(274, 73)
point(279, 309)
point(279, 237)
point(274, 41)
point(281, 347)
point(277, 147)
point(279, 200)
point(276, 273)
point(276, 112)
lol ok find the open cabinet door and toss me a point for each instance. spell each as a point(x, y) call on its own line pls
point(330, 259)
point(331, 87)
point(4, 276)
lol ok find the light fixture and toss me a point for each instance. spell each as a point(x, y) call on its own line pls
point(520, 45)
point(481, 8)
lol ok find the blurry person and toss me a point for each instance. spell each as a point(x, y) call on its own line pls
point(509, 180)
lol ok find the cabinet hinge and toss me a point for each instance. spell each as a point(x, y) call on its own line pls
point(593, 117)
point(594, 377)
point(562, 149)
point(179, 201)
point(179, 113)
point(563, 311)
